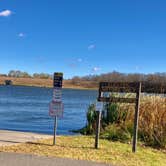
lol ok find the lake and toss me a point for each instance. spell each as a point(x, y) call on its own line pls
point(26, 109)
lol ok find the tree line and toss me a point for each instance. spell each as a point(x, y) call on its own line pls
point(95, 79)
point(22, 74)
point(122, 77)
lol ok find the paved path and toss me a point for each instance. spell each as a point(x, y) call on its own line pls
point(14, 159)
point(14, 137)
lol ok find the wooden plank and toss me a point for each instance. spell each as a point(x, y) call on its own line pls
point(154, 88)
point(130, 87)
point(117, 100)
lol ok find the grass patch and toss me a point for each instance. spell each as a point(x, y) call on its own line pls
point(82, 148)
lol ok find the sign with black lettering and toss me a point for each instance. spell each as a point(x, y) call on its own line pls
point(58, 78)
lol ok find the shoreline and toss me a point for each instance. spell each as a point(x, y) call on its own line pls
point(45, 83)
point(74, 88)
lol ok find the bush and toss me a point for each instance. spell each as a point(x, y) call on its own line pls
point(112, 113)
point(116, 132)
point(91, 121)
point(115, 114)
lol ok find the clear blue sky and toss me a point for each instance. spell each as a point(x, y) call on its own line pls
point(81, 37)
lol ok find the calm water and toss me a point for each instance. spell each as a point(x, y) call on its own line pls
point(26, 109)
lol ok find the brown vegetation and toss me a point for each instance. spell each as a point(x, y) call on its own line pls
point(86, 82)
point(152, 120)
point(123, 77)
point(40, 82)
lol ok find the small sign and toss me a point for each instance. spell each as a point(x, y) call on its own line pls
point(56, 109)
point(99, 106)
point(57, 94)
point(58, 78)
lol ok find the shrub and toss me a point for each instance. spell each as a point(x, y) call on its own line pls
point(91, 121)
point(116, 132)
point(112, 113)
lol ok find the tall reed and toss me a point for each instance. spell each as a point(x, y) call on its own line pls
point(152, 119)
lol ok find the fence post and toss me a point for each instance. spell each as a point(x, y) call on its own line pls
point(97, 129)
point(136, 119)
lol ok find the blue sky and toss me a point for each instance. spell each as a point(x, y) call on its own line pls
point(81, 37)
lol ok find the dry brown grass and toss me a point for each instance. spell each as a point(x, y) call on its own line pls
point(152, 119)
point(28, 81)
point(46, 83)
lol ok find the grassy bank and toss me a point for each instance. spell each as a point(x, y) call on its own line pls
point(38, 82)
point(82, 148)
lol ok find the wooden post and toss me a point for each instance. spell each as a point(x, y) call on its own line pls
point(97, 129)
point(55, 128)
point(136, 118)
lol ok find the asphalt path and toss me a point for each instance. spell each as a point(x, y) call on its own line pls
point(14, 159)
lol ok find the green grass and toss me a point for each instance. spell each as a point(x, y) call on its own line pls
point(82, 148)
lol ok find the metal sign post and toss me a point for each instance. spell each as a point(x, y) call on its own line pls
point(55, 129)
point(56, 105)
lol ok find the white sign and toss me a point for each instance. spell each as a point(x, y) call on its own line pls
point(99, 106)
point(57, 94)
point(56, 109)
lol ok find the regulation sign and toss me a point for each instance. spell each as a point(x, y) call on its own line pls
point(56, 105)
point(56, 109)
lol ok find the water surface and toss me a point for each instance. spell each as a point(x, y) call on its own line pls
point(26, 109)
